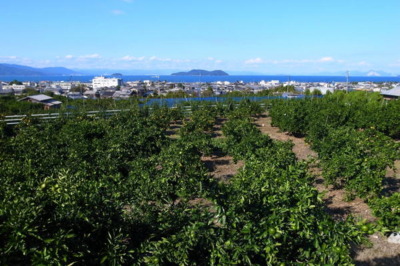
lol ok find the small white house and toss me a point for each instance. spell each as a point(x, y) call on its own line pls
point(102, 82)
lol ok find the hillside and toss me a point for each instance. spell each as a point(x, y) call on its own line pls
point(200, 72)
point(20, 70)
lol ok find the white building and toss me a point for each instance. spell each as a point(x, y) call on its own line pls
point(16, 88)
point(29, 84)
point(271, 83)
point(102, 82)
point(63, 85)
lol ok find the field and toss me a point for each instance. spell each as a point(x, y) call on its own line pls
point(296, 182)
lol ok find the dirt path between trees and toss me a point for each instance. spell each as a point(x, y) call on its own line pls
point(382, 252)
point(221, 166)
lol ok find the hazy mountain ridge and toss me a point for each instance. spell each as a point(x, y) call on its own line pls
point(20, 70)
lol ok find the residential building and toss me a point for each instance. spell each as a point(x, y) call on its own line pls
point(17, 89)
point(102, 82)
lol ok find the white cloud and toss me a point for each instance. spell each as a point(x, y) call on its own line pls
point(8, 57)
point(81, 57)
point(153, 58)
point(12, 59)
point(254, 61)
point(213, 59)
point(117, 12)
point(132, 58)
point(363, 63)
point(395, 64)
point(90, 56)
point(160, 59)
point(326, 59)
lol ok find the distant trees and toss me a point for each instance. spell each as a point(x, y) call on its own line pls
point(208, 92)
point(15, 82)
point(78, 88)
point(316, 92)
point(9, 105)
point(176, 94)
point(30, 91)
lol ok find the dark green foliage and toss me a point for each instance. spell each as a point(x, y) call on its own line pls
point(272, 213)
point(356, 160)
point(243, 138)
point(115, 190)
point(347, 130)
point(388, 210)
point(351, 133)
point(355, 109)
point(10, 105)
point(16, 82)
point(70, 176)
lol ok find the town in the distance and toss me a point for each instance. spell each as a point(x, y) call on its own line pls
point(115, 87)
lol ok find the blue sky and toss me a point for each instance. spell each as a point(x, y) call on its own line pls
point(264, 36)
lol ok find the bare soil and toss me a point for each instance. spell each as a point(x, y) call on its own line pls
point(392, 180)
point(173, 130)
point(217, 130)
point(301, 148)
point(222, 167)
point(380, 253)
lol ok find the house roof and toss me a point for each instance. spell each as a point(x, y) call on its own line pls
point(89, 92)
point(51, 102)
point(395, 92)
point(38, 97)
point(41, 98)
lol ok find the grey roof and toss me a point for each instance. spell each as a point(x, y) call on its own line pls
point(395, 92)
point(52, 102)
point(38, 97)
point(44, 99)
point(89, 92)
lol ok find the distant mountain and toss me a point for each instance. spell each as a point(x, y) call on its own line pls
point(200, 72)
point(20, 70)
point(57, 71)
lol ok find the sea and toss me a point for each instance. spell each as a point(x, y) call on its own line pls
point(204, 79)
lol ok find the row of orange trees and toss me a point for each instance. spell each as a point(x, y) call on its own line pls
point(353, 135)
point(274, 208)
